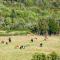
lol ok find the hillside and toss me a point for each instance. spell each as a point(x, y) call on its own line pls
point(26, 15)
point(29, 29)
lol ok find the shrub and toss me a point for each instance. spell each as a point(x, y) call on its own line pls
point(38, 56)
point(52, 56)
point(42, 56)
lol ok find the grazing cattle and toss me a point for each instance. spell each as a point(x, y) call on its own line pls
point(17, 46)
point(9, 39)
point(2, 42)
point(41, 44)
point(6, 43)
point(31, 40)
point(21, 46)
point(36, 38)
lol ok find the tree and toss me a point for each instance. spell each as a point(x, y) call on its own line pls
point(42, 26)
point(53, 26)
point(29, 2)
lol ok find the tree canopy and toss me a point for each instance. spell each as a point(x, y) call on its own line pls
point(38, 16)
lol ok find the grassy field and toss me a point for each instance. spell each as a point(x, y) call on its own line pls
point(9, 52)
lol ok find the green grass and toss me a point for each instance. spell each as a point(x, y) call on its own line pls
point(13, 33)
point(9, 52)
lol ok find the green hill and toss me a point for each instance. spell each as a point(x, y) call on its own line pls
point(26, 15)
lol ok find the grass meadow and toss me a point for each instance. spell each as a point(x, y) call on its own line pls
point(10, 52)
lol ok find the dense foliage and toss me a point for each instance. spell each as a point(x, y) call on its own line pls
point(42, 56)
point(39, 16)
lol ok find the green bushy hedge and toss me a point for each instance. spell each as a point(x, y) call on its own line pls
point(42, 56)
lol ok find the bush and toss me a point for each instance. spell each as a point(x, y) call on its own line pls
point(52, 56)
point(38, 56)
point(42, 56)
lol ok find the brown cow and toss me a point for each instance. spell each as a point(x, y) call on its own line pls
point(17, 46)
point(2, 42)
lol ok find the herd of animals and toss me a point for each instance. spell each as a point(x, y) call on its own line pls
point(6, 42)
point(21, 46)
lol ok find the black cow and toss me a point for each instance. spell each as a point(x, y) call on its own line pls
point(41, 44)
point(22, 47)
point(6, 43)
point(32, 40)
point(9, 39)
